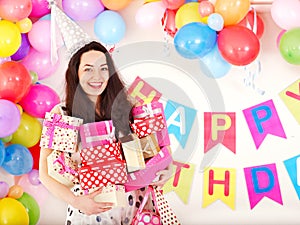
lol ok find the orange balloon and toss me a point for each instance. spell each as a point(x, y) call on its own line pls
point(115, 4)
point(232, 11)
point(15, 191)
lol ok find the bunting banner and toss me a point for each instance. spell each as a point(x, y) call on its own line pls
point(291, 98)
point(292, 166)
point(262, 181)
point(263, 119)
point(180, 119)
point(181, 181)
point(219, 128)
point(143, 92)
point(219, 184)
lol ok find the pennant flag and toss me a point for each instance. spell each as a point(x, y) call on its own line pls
point(262, 181)
point(180, 119)
point(143, 92)
point(263, 119)
point(292, 166)
point(291, 97)
point(182, 180)
point(219, 184)
point(219, 128)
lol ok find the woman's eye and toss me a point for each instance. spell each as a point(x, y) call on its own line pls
point(88, 69)
point(103, 68)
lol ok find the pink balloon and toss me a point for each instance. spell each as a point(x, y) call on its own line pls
point(39, 8)
point(40, 36)
point(173, 4)
point(81, 10)
point(39, 100)
point(40, 62)
point(279, 37)
point(206, 8)
point(38, 192)
point(15, 10)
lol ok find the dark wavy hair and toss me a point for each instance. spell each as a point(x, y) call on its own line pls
point(113, 103)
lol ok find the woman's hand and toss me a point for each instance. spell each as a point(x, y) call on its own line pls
point(89, 206)
point(163, 177)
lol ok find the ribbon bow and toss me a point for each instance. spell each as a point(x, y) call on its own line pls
point(65, 168)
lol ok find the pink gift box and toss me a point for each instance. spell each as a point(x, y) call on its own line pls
point(146, 176)
point(150, 110)
point(60, 132)
point(97, 133)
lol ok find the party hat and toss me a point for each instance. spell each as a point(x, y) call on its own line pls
point(73, 35)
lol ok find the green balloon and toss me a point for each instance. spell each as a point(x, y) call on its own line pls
point(32, 208)
point(289, 46)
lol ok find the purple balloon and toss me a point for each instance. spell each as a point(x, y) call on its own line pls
point(9, 118)
point(23, 49)
point(4, 188)
point(82, 10)
point(39, 100)
point(33, 177)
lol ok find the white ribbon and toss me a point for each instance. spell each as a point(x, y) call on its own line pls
point(53, 7)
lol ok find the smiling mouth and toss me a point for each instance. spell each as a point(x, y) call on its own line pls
point(95, 84)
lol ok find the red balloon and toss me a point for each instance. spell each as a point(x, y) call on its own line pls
point(173, 4)
point(169, 22)
point(238, 45)
point(15, 10)
point(35, 152)
point(248, 22)
point(15, 81)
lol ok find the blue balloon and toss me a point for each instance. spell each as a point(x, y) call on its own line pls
point(214, 65)
point(109, 27)
point(18, 160)
point(46, 17)
point(195, 40)
point(2, 152)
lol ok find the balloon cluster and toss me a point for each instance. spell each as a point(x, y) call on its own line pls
point(219, 34)
point(286, 14)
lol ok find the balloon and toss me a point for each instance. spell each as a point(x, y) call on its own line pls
point(194, 40)
point(248, 22)
point(6, 59)
point(2, 152)
point(15, 10)
point(232, 11)
point(215, 21)
point(14, 81)
point(9, 118)
point(109, 27)
point(187, 13)
point(13, 212)
point(169, 22)
point(173, 4)
point(39, 100)
point(6, 139)
point(23, 49)
point(289, 46)
point(82, 10)
point(10, 38)
point(286, 14)
point(279, 36)
point(15, 191)
point(39, 8)
point(29, 131)
point(40, 62)
point(33, 177)
point(31, 207)
point(40, 36)
point(34, 77)
point(115, 4)
point(206, 8)
point(4, 188)
point(213, 64)
point(18, 160)
point(35, 152)
point(24, 25)
point(238, 45)
point(39, 192)
point(149, 15)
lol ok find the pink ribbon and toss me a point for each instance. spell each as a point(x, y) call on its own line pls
point(52, 124)
point(65, 168)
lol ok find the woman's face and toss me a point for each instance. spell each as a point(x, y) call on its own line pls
point(93, 73)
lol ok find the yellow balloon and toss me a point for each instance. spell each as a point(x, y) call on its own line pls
point(12, 212)
point(148, 1)
point(20, 108)
point(24, 25)
point(29, 131)
point(187, 13)
point(10, 38)
point(232, 11)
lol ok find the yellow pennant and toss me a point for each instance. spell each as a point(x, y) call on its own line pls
point(219, 184)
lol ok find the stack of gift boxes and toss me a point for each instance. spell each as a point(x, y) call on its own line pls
point(115, 166)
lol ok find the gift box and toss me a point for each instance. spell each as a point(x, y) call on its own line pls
point(101, 151)
point(60, 132)
point(149, 146)
point(102, 173)
point(97, 133)
point(62, 168)
point(142, 178)
point(150, 110)
point(114, 194)
point(133, 153)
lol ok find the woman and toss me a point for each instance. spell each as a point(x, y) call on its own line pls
point(95, 92)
